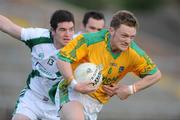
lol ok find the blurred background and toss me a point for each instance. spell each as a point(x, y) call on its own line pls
point(158, 35)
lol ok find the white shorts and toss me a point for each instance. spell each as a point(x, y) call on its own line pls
point(91, 106)
point(36, 106)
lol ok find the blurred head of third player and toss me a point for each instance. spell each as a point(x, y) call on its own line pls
point(62, 27)
point(93, 21)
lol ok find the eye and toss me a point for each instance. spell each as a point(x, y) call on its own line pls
point(125, 36)
point(132, 37)
point(71, 29)
point(93, 28)
point(62, 29)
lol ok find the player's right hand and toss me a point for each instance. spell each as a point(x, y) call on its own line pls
point(85, 87)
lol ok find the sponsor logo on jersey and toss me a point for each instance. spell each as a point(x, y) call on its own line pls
point(108, 81)
point(110, 70)
point(113, 64)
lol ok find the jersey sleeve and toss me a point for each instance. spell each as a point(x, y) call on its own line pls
point(33, 36)
point(74, 50)
point(142, 63)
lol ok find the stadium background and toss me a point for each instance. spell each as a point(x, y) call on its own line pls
point(158, 35)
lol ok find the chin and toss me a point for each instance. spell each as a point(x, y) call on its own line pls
point(123, 49)
point(66, 42)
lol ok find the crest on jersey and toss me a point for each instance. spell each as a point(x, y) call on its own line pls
point(121, 69)
point(41, 55)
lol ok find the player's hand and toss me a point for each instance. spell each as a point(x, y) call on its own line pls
point(85, 87)
point(110, 89)
point(123, 92)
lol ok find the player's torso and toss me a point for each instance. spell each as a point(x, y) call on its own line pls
point(44, 64)
point(114, 66)
point(44, 70)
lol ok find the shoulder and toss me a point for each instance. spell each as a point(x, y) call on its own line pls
point(95, 37)
point(137, 49)
point(36, 36)
point(30, 33)
point(78, 33)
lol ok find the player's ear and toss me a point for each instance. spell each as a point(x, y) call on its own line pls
point(112, 31)
point(52, 31)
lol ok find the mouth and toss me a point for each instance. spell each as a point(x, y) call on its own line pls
point(125, 45)
point(66, 39)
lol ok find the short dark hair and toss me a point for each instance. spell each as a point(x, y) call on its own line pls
point(123, 17)
point(92, 14)
point(61, 16)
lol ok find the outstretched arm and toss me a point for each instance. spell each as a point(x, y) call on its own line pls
point(7, 26)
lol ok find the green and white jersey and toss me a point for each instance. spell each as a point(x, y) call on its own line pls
point(44, 75)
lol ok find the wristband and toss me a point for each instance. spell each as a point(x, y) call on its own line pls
point(73, 83)
point(132, 89)
point(70, 78)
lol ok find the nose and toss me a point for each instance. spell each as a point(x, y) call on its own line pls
point(68, 33)
point(128, 40)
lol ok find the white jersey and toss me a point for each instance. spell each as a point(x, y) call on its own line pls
point(78, 33)
point(44, 75)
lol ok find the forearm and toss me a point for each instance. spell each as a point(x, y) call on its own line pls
point(10, 28)
point(124, 91)
point(65, 69)
point(147, 81)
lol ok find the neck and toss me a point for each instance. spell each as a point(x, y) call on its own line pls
point(114, 49)
point(57, 45)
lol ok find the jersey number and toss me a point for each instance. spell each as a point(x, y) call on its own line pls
point(50, 62)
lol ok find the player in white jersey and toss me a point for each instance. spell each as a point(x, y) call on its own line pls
point(35, 101)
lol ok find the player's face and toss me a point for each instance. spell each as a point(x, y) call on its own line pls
point(94, 25)
point(122, 37)
point(63, 33)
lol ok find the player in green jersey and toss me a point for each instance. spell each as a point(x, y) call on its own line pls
point(118, 54)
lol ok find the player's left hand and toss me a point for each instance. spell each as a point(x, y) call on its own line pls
point(123, 92)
